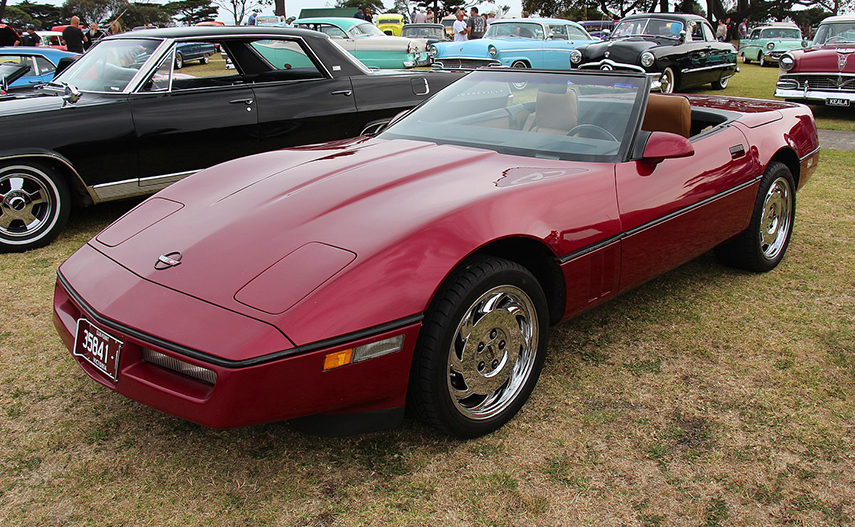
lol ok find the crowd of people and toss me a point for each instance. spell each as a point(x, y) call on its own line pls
point(74, 37)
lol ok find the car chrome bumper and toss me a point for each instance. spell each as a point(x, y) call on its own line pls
point(464, 62)
point(610, 65)
point(245, 392)
point(813, 95)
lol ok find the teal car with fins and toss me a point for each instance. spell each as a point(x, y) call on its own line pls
point(767, 44)
point(367, 43)
point(543, 43)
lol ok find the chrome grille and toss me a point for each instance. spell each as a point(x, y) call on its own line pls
point(843, 83)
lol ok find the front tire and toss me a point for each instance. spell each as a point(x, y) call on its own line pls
point(762, 246)
point(762, 60)
point(34, 205)
point(179, 61)
point(204, 60)
point(481, 348)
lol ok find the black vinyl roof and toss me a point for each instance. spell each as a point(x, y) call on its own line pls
point(219, 32)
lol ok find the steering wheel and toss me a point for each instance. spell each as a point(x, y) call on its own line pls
point(578, 130)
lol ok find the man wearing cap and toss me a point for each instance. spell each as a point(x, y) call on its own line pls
point(30, 38)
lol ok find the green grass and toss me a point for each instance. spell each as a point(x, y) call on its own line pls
point(708, 396)
point(759, 83)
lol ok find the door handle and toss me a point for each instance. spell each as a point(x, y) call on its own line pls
point(238, 101)
point(346, 93)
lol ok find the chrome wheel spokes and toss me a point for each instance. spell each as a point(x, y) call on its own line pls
point(776, 218)
point(26, 203)
point(493, 352)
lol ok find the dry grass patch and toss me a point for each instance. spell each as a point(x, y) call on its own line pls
point(706, 397)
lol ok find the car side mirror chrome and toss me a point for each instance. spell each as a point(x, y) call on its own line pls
point(683, 36)
point(71, 94)
point(665, 145)
point(606, 34)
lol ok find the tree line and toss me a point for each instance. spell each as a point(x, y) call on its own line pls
point(129, 14)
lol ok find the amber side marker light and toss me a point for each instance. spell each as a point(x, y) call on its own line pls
point(364, 352)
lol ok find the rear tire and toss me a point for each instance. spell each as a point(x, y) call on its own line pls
point(34, 205)
point(762, 246)
point(481, 348)
point(668, 81)
point(179, 61)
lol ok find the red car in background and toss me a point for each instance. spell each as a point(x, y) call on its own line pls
point(825, 71)
point(332, 284)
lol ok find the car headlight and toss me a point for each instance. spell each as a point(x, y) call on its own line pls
point(575, 56)
point(492, 50)
point(770, 46)
point(432, 51)
point(647, 59)
point(787, 62)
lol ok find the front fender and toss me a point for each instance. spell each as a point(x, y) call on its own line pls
point(63, 162)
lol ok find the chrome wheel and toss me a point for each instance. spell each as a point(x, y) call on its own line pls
point(179, 61)
point(520, 65)
point(666, 81)
point(776, 218)
point(493, 352)
point(26, 203)
point(761, 59)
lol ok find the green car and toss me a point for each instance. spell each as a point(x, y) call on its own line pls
point(367, 43)
point(766, 44)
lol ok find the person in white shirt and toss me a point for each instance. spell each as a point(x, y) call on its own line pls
point(459, 28)
point(420, 17)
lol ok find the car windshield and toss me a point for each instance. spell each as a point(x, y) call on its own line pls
point(423, 32)
point(366, 29)
point(515, 29)
point(570, 116)
point(834, 33)
point(110, 65)
point(657, 27)
point(782, 32)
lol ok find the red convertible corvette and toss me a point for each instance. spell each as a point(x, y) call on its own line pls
point(332, 284)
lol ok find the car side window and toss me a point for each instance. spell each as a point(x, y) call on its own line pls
point(17, 59)
point(576, 34)
point(332, 31)
point(558, 31)
point(159, 81)
point(44, 65)
point(755, 34)
point(709, 36)
point(198, 64)
point(697, 32)
point(287, 58)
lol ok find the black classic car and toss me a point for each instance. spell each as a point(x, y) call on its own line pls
point(676, 50)
point(123, 122)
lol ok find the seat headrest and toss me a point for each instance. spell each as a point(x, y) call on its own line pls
point(668, 113)
point(557, 113)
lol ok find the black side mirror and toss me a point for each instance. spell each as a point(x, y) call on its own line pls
point(64, 62)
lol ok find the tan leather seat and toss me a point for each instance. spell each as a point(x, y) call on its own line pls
point(555, 113)
point(668, 113)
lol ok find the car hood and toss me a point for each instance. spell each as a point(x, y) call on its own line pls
point(624, 50)
point(825, 60)
point(28, 103)
point(232, 221)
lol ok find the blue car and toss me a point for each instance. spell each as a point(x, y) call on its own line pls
point(517, 43)
point(41, 61)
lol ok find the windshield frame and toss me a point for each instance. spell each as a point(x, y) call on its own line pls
point(627, 142)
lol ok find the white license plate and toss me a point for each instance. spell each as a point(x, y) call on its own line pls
point(98, 348)
point(837, 102)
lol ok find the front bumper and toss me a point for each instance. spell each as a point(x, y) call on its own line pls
point(808, 94)
point(419, 59)
point(610, 65)
point(465, 63)
point(272, 387)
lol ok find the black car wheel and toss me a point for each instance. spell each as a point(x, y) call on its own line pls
point(179, 61)
point(745, 59)
point(34, 205)
point(762, 246)
point(668, 81)
point(481, 349)
point(203, 60)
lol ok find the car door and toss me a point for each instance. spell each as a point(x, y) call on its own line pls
point(191, 120)
point(556, 49)
point(697, 50)
point(299, 102)
point(678, 209)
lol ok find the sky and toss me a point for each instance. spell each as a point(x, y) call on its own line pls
point(293, 7)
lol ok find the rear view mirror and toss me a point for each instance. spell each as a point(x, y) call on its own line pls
point(665, 145)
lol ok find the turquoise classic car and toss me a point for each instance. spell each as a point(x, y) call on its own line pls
point(766, 44)
point(367, 43)
point(518, 43)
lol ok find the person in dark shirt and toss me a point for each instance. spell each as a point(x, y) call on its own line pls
point(73, 37)
point(476, 24)
point(93, 35)
point(30, 38)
